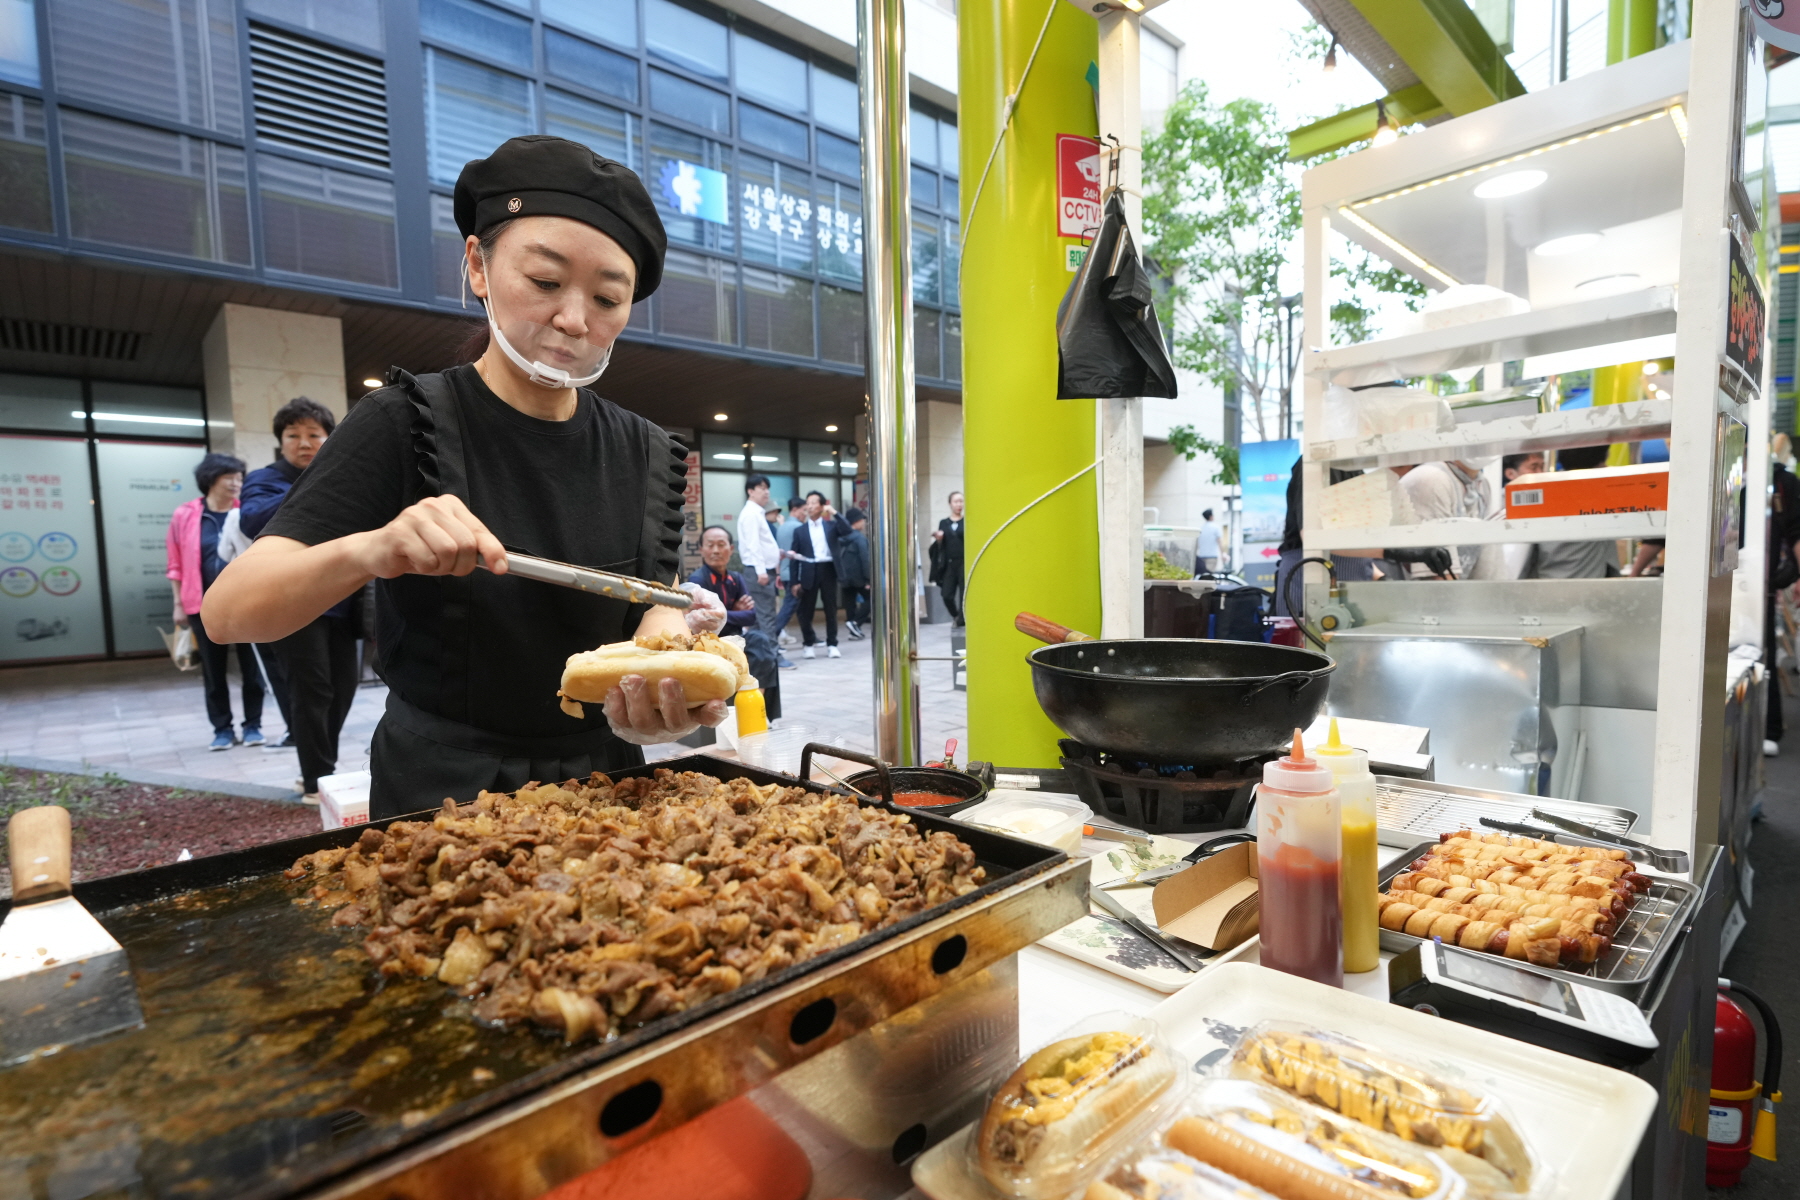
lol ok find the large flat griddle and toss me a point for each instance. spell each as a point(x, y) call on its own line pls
point(275, 1061)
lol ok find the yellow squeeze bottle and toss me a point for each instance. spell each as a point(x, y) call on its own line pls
point(1357, 890)
point(752, 713)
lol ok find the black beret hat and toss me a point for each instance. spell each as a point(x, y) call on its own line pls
point(543, 176)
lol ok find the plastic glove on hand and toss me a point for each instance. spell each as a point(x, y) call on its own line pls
point(644, 715)
point(1436, 559)
point(708, 613)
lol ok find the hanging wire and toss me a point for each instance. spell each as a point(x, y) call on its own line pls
point(969, 579)
point(1012, 104)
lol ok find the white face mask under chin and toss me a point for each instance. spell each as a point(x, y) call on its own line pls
point(540, 373)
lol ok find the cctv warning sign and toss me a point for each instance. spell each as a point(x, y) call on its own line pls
point(1077, 186)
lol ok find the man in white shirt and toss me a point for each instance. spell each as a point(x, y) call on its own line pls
point(1447, 491)
point(1208, 549)
point(759, 553)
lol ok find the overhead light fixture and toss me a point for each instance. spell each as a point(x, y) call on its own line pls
point(1331, 56)
point(726, 456)
point(764, 458)
point(1512, 183)
point(721, 417)
point(1136, 6)
point(1385, 130)
point(1678, 118)
point(1652, 367)
point(1568, 244)
point(831, 429)
point(1610, 285)
point(137, 420)
point(372, 382)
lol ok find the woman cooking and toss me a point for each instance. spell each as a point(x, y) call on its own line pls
point(430, 477)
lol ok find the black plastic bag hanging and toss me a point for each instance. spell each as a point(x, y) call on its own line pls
point(1108, 340)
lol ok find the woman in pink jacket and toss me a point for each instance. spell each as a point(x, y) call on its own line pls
point(193, 564)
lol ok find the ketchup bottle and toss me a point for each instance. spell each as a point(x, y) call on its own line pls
point(1298, 848)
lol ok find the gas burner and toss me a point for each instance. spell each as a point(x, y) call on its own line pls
point(1164, 797)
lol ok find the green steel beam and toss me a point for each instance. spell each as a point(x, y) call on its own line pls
point(1630, 29)
point(1407, 106)
point(1444, 43)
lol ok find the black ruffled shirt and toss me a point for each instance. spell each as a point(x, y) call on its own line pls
point(602, 489)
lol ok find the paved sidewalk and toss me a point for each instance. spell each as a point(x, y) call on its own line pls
point(147, 721)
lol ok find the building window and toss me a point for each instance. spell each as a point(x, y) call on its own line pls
point(40, 402)
point(925, 264)
point(924, 138)
point(947, 149)
point(469, 110)
point(591, 66)
point(953, 347)
point(19, 42)
point(775, 213)
point(698, 298)
point(317, 221)
point(773, 76)
point(165, 192)
point(689, 180)
point(947, 198)
point(927, 337)
point(478, 28)
point(355, 21)
point(683, 38)
point(839, 154)
point(952, 262)
point(612, 21)
point(446, 249)
point(841, 325)
point(924, 187)
point(838, 220)
point(778, 313)
point(607, 131)
point(24, 165)
point(173, 59)
point(760, 127)
point(835, 102)
point(691, 102)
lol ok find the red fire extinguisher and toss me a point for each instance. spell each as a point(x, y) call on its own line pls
point(1732, 1136)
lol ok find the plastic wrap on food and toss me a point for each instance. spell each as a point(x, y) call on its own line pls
point(1300, 1151)
point(1386, 1093)
point(1076, 1104)
point(1171, 1175)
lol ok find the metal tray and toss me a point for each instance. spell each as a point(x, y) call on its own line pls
point(1411, 806)
point(215, 939)
point(1640, 943)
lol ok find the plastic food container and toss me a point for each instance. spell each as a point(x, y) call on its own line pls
point(1048, 818)
point(1267, 1138)
point(1385, 1093)
point(1074, 1105)
point(1171, 1175)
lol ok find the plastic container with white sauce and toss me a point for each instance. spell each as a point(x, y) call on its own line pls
point(1051, 819)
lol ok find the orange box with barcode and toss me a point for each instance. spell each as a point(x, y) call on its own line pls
point(1586, 493)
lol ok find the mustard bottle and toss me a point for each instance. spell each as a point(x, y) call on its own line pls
point(752, 713)
point(1357, 888)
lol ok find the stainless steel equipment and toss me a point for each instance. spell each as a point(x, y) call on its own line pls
point(1408, 807)
point(1639, 945)
point(585, 579)
point(1662, 860)
point(1488, 693)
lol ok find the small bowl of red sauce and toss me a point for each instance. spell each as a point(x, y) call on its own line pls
point(934, 790)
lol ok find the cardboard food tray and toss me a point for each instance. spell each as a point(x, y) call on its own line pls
point(1640, 944)
point(1553, 1100)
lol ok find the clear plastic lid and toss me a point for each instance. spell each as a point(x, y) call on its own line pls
point(1265, 1137)
point(1047, 818)
point(1386, 1093)
point(1297, 772)
point(1341, 758)
point(1171, 1175)
point(1076, 1104)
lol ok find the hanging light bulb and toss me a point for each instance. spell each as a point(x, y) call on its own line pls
point(1331, 56)
point(1385, 130)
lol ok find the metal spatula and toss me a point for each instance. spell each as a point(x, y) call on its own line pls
point(63, 978)
point(585, 579)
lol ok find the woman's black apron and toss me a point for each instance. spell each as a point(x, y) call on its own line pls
point(418, 757)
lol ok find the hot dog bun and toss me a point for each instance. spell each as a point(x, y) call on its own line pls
point(1043, 1125)
point(589, 675)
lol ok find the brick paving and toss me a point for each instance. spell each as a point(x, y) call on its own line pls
point(144, 717)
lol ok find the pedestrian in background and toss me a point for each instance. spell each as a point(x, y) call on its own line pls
point(854, 572)
point(790, 572)
point(193, 546)
point(733, 590)
point(760, 554)
point(1207, 549)
point(319, 659)
point(947, 558)
point(815, 550)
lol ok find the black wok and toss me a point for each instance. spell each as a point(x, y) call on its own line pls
point(1180, 700)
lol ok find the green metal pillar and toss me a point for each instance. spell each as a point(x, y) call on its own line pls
point(1630, 29)
point(1019, 441)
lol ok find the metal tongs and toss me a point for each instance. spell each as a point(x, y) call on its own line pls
point(1188, 956)
point(585, 579)
point(1574, 833)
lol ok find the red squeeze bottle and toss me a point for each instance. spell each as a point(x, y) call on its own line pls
point(1299, 844)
